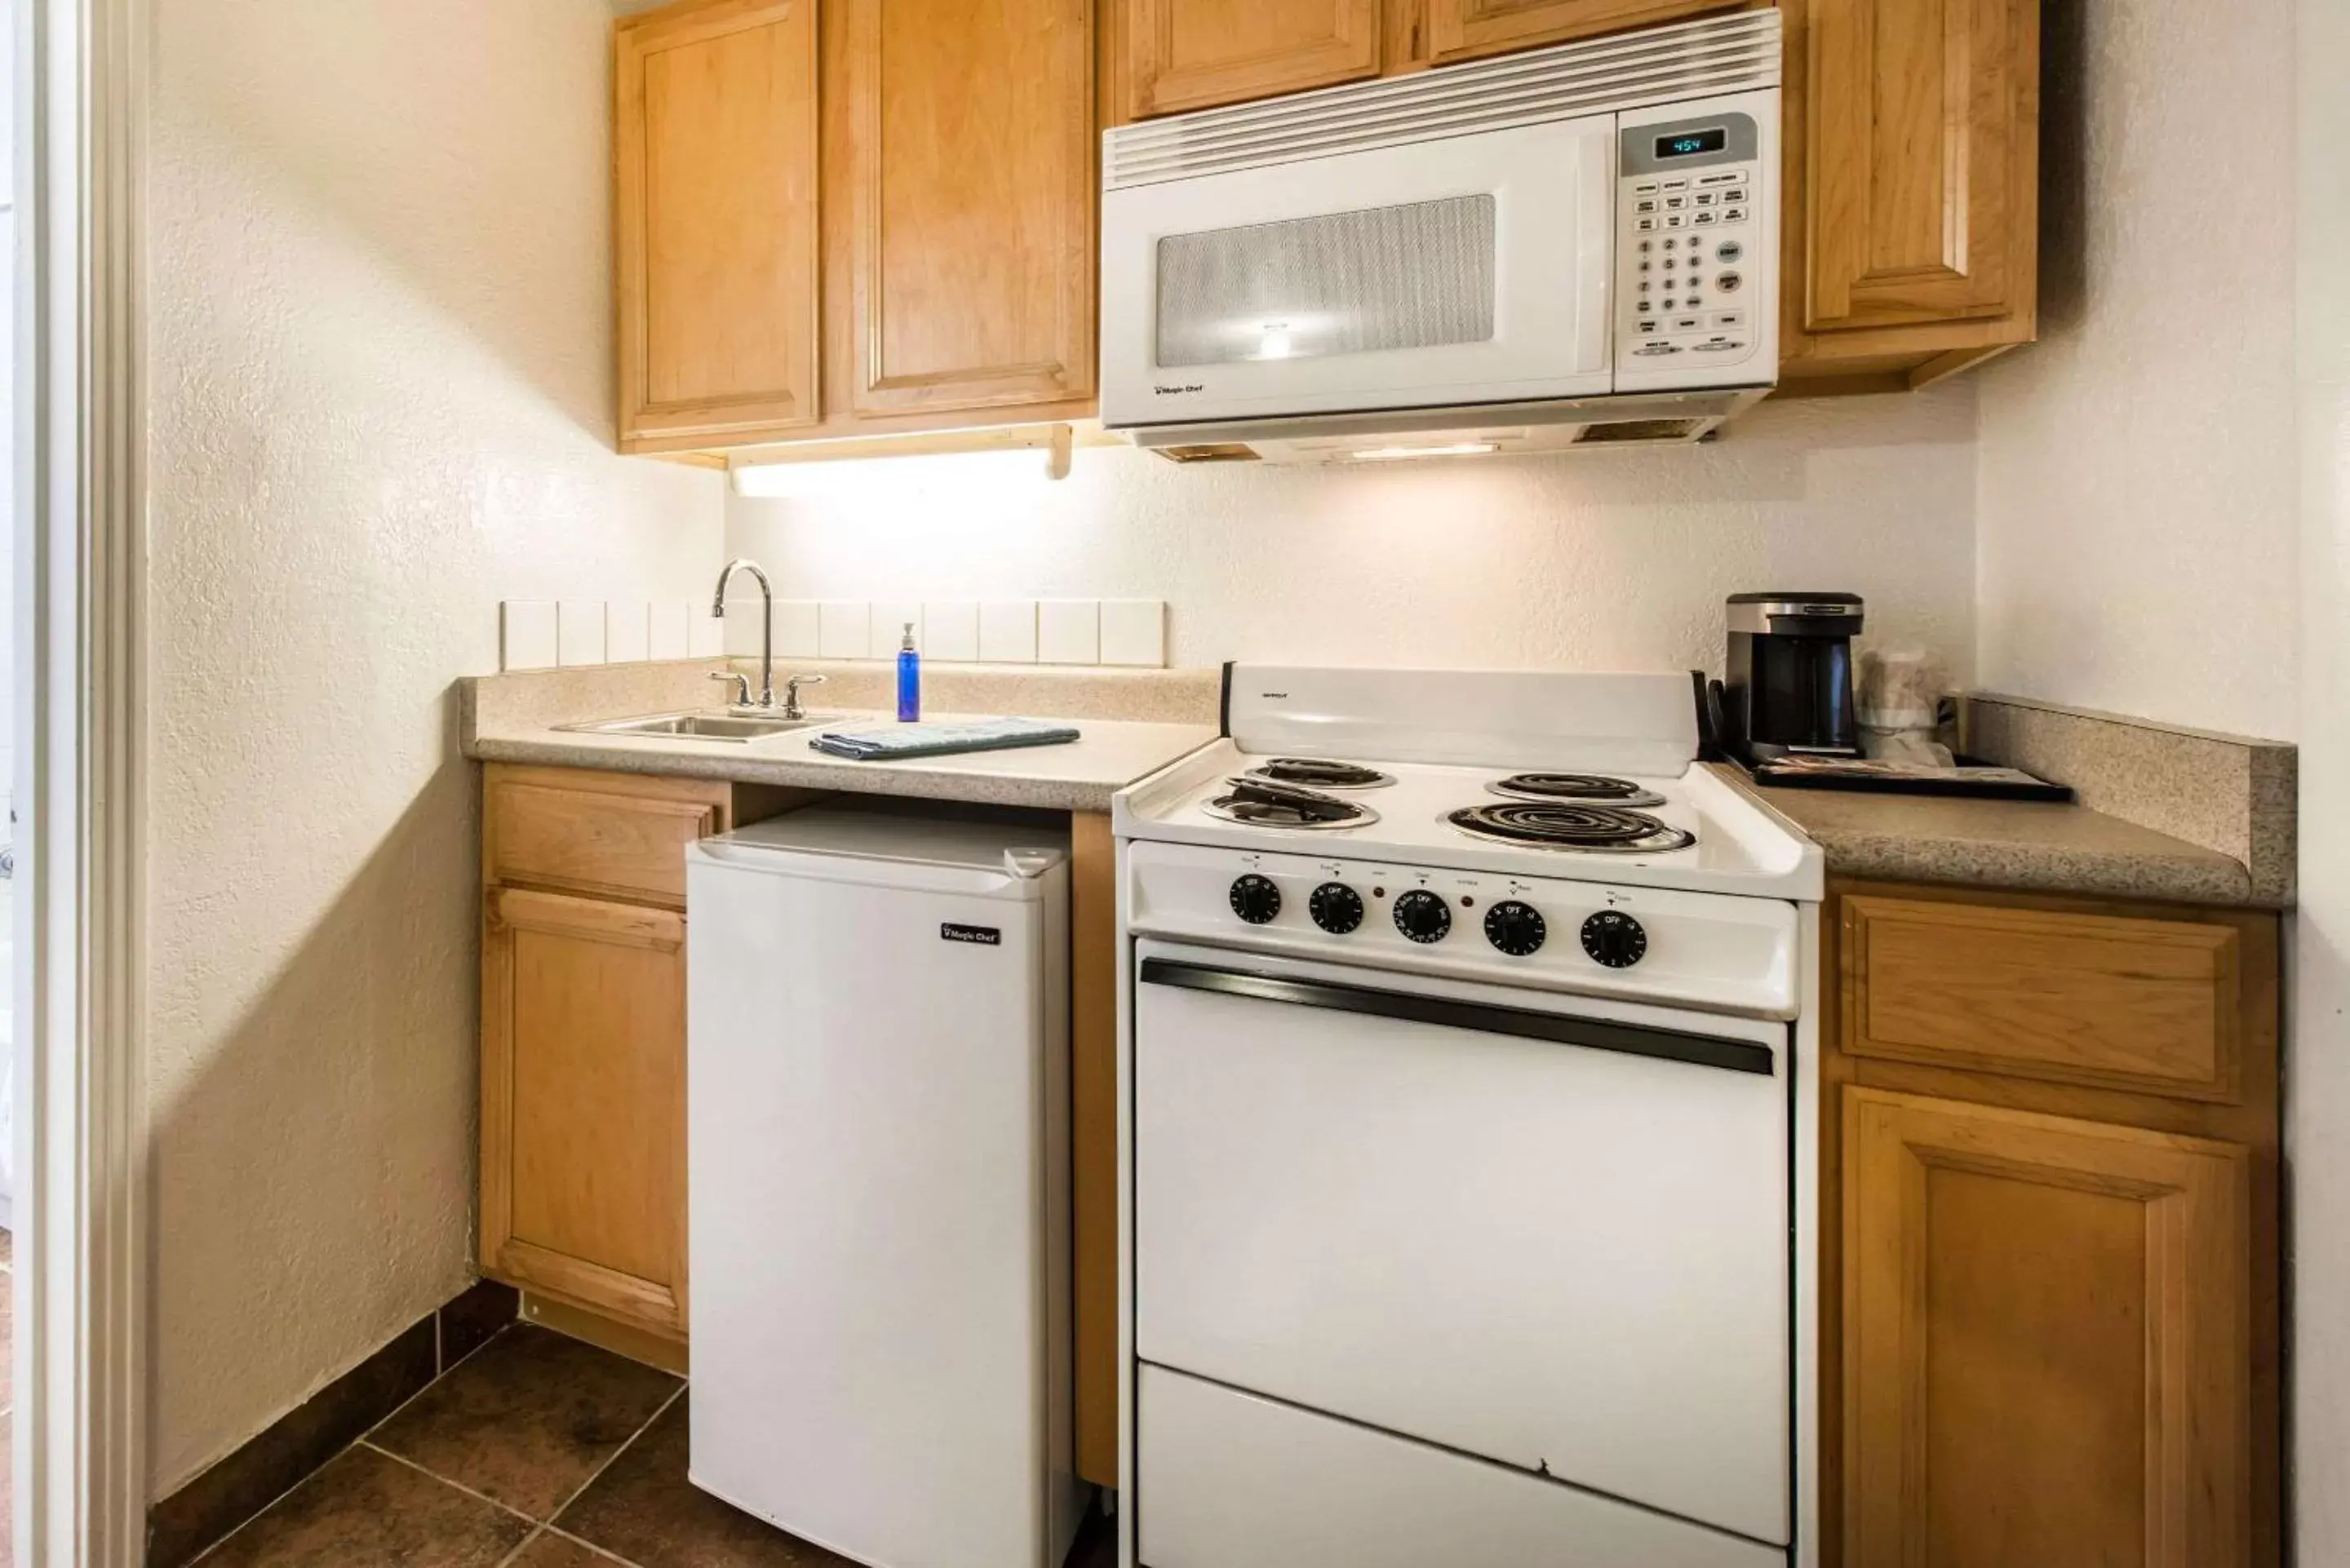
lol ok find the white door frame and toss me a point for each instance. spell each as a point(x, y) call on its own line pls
point(80, 1480)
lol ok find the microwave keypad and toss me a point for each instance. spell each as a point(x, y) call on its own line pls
point(1686, 284)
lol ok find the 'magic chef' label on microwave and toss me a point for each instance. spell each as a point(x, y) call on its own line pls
point(982, 936)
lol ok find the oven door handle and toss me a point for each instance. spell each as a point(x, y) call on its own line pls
point(1479, 1017)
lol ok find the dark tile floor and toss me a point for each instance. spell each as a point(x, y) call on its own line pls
point(537, 1451)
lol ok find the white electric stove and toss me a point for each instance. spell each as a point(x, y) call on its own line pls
point(1468, 1098)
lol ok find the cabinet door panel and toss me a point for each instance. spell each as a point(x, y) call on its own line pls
point(1466, 29)
point(1924, 150)
point(583, 1102)
point(2103, 999)
point(715, 218)
point(1194, 53)
point(970, 175)
point(2045, 1339)
point(584, 835)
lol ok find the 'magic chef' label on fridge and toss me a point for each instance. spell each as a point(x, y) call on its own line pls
point(982, 936)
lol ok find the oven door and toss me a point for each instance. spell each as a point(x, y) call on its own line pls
point(1469, 270)
point(1546, 1231)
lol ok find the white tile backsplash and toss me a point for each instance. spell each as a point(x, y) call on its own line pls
point(746, 625)
point(669, 632)
point(889, 617)
point(1134, 631)
point(951, 630)
point(542, 634)
point(799, 631)
point(528, 637)
point(628, 631)
point(705, 634)
point(1007, 631)
point(1069, 631)
point(580, 631)
point(844, 629)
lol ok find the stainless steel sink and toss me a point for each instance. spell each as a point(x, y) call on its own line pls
point(707, 724)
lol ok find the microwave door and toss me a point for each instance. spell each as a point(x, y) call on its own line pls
point(1472, 269)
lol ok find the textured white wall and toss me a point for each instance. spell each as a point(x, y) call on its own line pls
point(2318, 1055)
point(2137, 491)
point(1609, 560)
point(382, 403)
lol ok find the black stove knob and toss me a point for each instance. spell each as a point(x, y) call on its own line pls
point(1422, 916)
point(1516, 928)
point(1336, 907)
point(1615, 938)
point(1256, 900)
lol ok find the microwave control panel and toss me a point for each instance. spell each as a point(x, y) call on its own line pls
point(1697, 250)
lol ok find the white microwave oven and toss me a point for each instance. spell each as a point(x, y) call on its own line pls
point(1577, 245)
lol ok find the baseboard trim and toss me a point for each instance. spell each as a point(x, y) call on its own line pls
point(203, 1512)
point(619, 1338)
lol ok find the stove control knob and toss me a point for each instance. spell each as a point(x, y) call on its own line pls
point(1615, 938)
point(1256, 900)
point(1336, 907)
point(1422, 916)
point(1515, 928)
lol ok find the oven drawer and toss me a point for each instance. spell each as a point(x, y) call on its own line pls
point(1555, 1236)
point(1226, 1480)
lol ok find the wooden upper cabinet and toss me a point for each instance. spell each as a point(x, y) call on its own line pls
point(852, 218)
point(1467, 29)
point(2045, 1340)
point(1195, 54)
point(967, 189)
point(1919, 177)
point(715, 218)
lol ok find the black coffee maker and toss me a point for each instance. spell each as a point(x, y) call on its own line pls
point(1789, 686)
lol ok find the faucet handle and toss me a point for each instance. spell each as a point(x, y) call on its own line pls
point(742, 685)
point(792, 684)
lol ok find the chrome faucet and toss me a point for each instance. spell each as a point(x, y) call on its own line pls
point(767, 625)
point(792, 709)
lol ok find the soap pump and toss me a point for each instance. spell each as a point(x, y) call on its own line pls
point(909, 679)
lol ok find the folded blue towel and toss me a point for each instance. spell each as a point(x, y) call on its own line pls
point(897, 743)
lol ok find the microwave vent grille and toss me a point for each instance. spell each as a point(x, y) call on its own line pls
point(1644, 432)
point(1735, 53)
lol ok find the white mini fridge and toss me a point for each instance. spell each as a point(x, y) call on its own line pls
point(879, 1175)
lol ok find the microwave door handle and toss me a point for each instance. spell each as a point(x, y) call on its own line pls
point(1596, 239)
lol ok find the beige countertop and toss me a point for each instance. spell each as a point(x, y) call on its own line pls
point(514, 719)
point(2034, 847)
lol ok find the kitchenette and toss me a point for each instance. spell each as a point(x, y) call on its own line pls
point(1351, 867)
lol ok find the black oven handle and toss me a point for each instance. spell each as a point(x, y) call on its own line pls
point(1483, 1018)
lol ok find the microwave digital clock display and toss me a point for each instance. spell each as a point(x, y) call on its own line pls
point(1690, 143)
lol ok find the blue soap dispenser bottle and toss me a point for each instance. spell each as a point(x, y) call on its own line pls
point(909, 679)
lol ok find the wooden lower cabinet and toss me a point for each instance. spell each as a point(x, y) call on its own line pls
point(2045, 1339)
point(583, 1030)
point(583, 1045)
point(1093, 1137)
point(2049, 1252)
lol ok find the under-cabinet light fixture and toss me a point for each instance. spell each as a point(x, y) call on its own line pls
point(771, 471)
point(1452, 448)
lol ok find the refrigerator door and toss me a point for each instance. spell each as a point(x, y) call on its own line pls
point(877, 1126)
